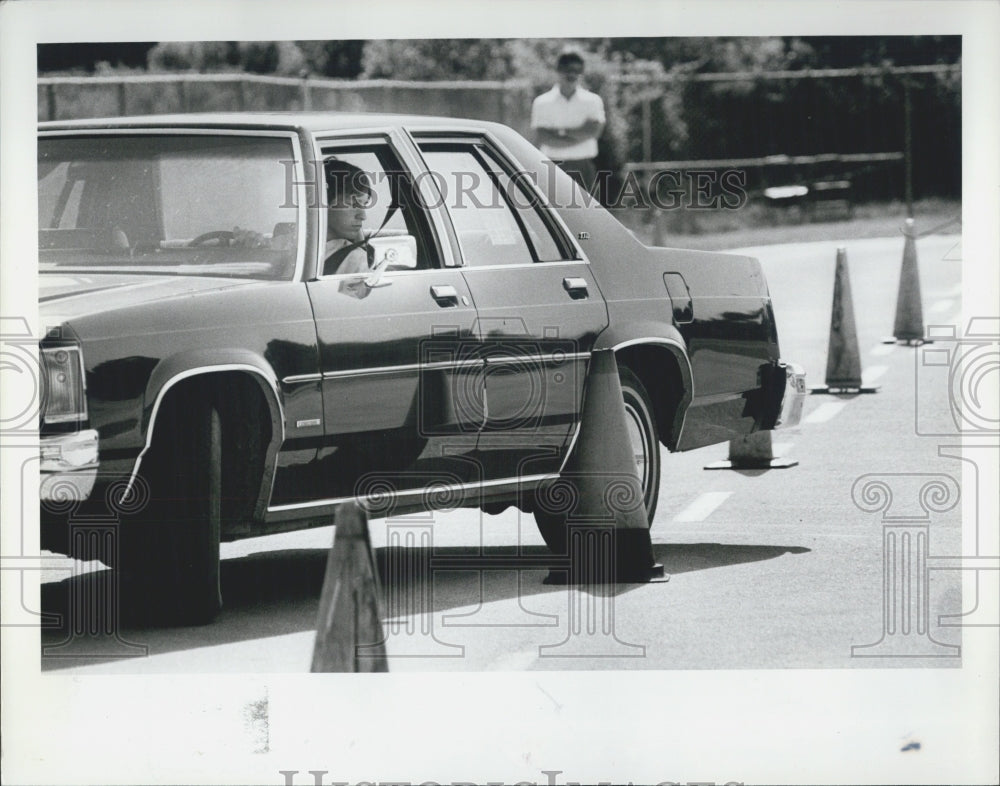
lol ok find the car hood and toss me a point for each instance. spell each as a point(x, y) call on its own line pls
point(64, 296)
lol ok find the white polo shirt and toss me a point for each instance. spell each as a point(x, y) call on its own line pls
point(554, 110)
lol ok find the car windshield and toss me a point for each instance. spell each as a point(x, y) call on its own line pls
point(198, 205)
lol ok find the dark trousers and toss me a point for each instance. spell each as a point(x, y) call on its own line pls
point(582, 170)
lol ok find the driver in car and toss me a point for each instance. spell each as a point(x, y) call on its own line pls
point(349, 194)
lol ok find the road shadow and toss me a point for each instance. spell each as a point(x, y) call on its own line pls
point(686, 557)
point(275, 593)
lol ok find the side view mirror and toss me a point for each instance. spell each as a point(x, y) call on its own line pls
point(397, 252)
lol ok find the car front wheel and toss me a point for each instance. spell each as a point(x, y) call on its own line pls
point(169, 552)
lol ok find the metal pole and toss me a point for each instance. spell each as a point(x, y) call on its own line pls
point(51, 95)
point(647, 132)
point(121, 99)
point(908, 145)
point(306, 93)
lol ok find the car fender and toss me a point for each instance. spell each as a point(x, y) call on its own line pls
point(193, 363)
point(651, 333)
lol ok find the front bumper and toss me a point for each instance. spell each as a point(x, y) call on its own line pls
point(794, 396)
point(68, 466)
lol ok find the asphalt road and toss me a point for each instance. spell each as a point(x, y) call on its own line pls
point(768, 569)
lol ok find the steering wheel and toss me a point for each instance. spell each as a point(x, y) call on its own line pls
point(223, 236)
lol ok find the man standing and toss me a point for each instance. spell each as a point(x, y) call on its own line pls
point(567, 121)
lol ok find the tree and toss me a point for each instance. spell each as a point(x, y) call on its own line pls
point(437, 59)
point(259, 57)
point(337, 59)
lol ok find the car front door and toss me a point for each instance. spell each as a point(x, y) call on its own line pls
point(539, 306)
point(400, 377)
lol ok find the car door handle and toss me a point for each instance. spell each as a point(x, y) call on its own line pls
point(444, 294)
point(576, 287)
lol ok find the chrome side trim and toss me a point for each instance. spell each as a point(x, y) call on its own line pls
point(193, 372)
point(296, 379)
point(554, 358)
point(438, 365)
point(413, 492)
point(406, 368)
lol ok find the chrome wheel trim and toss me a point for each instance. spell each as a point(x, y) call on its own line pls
point(640, 448)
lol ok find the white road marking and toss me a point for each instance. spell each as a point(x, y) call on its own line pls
point(880, 350)
point(941, 307)
point(703, 506)
point(825, 412)
point(873, 373)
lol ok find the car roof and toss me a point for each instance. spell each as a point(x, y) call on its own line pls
point(314, 122)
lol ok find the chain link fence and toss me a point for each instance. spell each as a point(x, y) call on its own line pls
point(67, 97)
point(889, 133)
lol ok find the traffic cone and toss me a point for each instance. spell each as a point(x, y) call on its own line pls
point(752, 451)
point(909, 325)
point(608, 491)
point(349, 636)
point(843, 358)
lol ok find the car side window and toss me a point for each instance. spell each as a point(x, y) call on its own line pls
point(498, 220)
point(487, 230)
point(525, 205)
point(394, 209)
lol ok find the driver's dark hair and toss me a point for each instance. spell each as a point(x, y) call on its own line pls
point(344, 180)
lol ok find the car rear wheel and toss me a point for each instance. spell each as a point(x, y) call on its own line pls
point(640, 425)
point(169, 555)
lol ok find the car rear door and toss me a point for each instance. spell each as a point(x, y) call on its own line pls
point(539, 306)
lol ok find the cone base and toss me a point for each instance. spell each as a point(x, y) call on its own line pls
point(654, 574)
point(841, 390)
point(907, 342)
point(348, 617)
point(774, 463)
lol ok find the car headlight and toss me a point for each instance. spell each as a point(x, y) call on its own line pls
point(64, 397)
